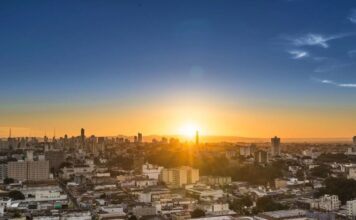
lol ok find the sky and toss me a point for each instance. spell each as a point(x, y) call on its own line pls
point(249, 68)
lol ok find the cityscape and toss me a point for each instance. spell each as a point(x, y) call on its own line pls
point(89, 177)
point(178, 110)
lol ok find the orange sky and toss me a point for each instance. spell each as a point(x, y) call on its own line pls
point(212, 118)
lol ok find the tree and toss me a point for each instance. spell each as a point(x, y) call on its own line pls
point(266, 204)
point(300, 174)
point(132, 217)
point(197, 213)
point(16, 195)
point(239, 205)
point(344, 188)
point(8, 181)
point(322, 171)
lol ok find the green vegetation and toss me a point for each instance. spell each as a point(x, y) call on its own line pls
point(342, 187)
point(321, 171)
point(8, 181)
point(338, 158)
point(197, 213)
point(238, 205)
point(125, 163)
point(132, 217)
point(16, 195)
point(266, 204)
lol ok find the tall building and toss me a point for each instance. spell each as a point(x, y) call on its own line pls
point(178, 177)
point(197, 137)
point(276, 146)
point(55, 158)
point(352, 149)
point(139, 137)
point(28, 170)
point(261, 156)
point(17, 170)
point(38, 170)
point(82, 136)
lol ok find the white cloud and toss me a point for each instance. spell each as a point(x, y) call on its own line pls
point(352, 85)
point(327, 81)
point(298, 54)
point(330, 82)
point(352, 16)
point(316, 40)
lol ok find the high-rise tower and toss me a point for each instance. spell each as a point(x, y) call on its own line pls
point(82, 137)
point(197, 137)
point(139, 137)
point(276, 146)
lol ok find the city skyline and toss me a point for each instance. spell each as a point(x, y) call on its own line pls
point(245, 69)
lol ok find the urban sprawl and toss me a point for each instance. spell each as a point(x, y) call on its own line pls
point(88, 177)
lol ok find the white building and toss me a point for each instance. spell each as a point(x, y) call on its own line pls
point(77, 215)
point(205, 193)
point(43, 193)
point(152, 171)
point(178, 177)
point(352, 173)
point(326, 203)
point(113, 209)
point(216, 208)
point(351, 208)
point(77, 170)
point(352, 150)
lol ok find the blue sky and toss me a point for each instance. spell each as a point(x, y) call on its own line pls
point(269, 54)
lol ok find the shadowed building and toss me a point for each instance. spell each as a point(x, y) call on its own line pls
point(276, 146)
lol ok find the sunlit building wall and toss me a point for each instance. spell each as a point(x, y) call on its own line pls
point(178, 177)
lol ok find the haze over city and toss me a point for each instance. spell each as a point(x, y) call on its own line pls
point(238, 68)
point(178, 110)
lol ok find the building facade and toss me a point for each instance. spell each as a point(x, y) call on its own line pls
point(178, 177)
point(275, 146)
point(327, 203)
point(29, 170)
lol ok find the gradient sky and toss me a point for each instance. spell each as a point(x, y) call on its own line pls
point(243, 68)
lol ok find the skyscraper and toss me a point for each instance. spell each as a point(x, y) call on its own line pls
point(197, 137)
point(275, 149)
point(82, 137)
point(139, 137)
point(354, 140)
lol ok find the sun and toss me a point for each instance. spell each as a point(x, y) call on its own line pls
point(189, 130)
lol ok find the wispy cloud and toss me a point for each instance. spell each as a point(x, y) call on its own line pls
point(330, 82)
point(316, 40)
point(352, 16)
point(330, 65)
point(351, 53)
point(298, 54)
